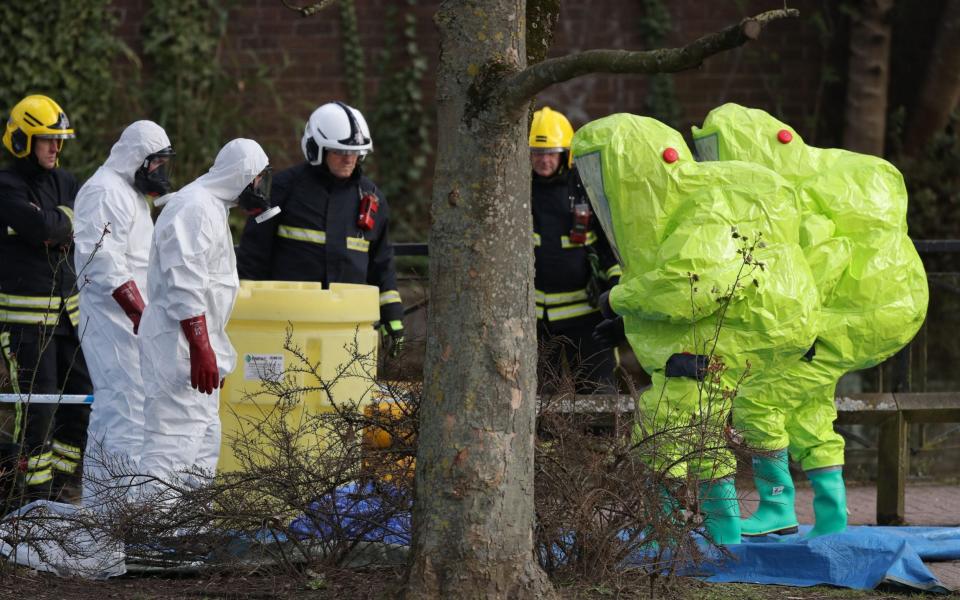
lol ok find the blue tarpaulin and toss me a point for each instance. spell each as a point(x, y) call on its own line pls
point(861, 557)
point(356, 512)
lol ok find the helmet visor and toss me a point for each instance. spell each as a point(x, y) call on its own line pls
point(54, 136)
point(540, 150)
point(345, 152)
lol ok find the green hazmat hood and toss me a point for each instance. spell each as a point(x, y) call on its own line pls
point(620, 161)
point(872, 283)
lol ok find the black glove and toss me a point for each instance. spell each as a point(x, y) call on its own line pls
point(609, 332)
point(604, 306)
point(395, 330)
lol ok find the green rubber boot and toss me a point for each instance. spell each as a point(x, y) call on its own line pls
point(720, 510)
point(829, 501)
point(775, 512)
point(669, 507)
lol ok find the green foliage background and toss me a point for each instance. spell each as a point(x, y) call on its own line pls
point(191, 89)
point(399, 121)
point(64, 50)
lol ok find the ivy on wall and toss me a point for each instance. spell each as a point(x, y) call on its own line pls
point(188, 90)
point(192, 91)
point(661, 100)
point(64, 50)
point(399, 121)
point(403, 123)
point(354, 65)
point(932, 179)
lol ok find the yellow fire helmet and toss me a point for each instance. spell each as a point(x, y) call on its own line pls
point(550, 131)
point(35, 116)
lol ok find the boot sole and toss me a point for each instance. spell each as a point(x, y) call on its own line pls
point(784, 531)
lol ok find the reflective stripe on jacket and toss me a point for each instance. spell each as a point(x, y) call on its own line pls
point(37, 276)
point(316, 237)
point(562, 266)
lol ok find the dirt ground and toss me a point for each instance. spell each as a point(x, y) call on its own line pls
point(382, 585)
point(926, 505)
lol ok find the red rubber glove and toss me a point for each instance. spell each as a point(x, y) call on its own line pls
point(129, 298)
point(204, 375)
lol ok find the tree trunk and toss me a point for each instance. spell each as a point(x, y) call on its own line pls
point(868, 75)
point(941, 89)
point(473, 517)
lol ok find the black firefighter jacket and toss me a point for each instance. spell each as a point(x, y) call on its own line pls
point(562, 267)
point(37, 278)
point(316, 238)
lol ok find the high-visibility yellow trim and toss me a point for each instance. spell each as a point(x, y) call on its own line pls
point(39, 461)
point(44, 302)
point(569, 312)
point(11, 230)
point(13, 370)
point(558, 298)
point(389, 297)
point(614, 271)
point(28, 318)
point(73, 309)
point(64, 465)
point(302, 234)
point(38, 477)
point(67, 450)
point(358, 244)
point(566, 243)
point(536, 239)
point(539, 312)
point(67, 211)
point(48, 313)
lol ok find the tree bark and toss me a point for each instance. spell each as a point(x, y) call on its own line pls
point(941, 88)
point(868, 77)
point(474, 507)
point(473, 516)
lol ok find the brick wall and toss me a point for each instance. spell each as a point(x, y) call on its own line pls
point(781, 72)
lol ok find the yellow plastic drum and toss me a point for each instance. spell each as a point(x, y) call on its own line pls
point(331, 330)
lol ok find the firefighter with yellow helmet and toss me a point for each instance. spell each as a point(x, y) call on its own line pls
point(39, 311)
point(573, 263)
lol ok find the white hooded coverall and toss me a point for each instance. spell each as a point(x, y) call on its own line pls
point(110, 212)
point(192, 272)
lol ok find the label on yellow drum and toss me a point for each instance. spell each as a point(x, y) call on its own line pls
point(258, 367)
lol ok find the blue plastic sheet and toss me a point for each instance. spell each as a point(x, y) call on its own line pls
point(355, 512)
point(859, 558)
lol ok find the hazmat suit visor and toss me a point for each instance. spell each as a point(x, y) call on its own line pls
point(630, 167)
point(255, 198)
point(155, 173)
point(590, 168)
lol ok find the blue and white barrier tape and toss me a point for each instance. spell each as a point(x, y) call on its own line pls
point(47, 398)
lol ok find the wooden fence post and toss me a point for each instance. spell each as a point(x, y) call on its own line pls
point(892, 464)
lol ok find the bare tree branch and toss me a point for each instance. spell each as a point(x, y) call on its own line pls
point(526, 84)
point(310, 9)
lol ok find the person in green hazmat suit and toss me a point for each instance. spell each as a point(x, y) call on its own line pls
point(680, 229)
point(873, 293)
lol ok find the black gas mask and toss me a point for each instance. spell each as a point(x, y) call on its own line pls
point(255, 199)
point(153, 176)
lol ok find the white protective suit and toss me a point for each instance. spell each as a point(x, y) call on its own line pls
point(110, 212)
point(192, 272)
